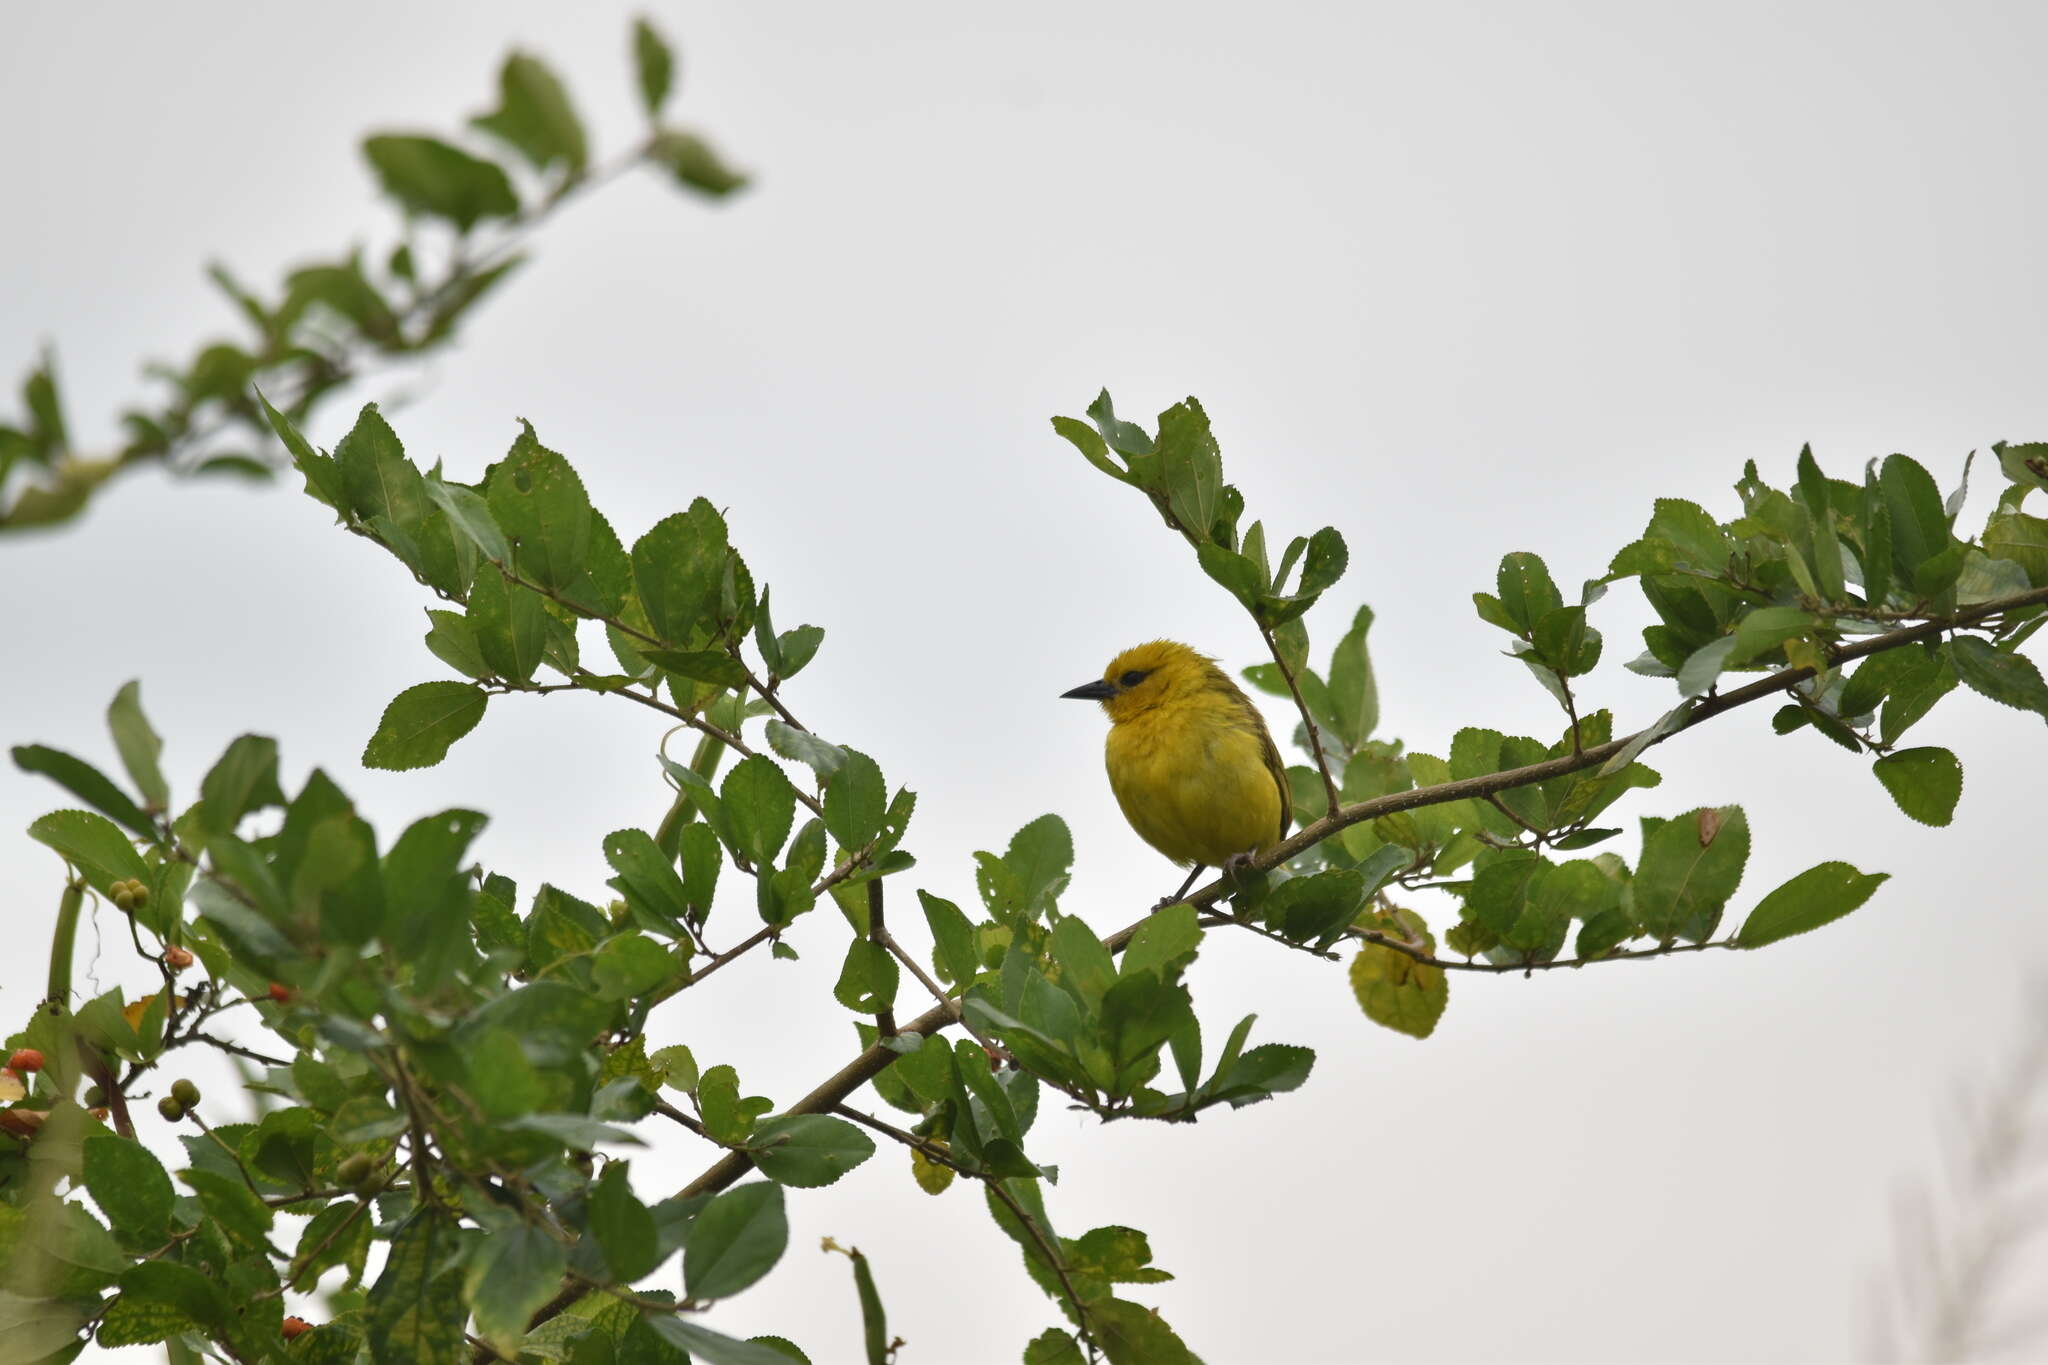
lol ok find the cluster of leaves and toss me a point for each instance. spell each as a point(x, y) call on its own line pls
point(468, 210)
point(454, 1053)
point(1802, 584)
point(444, 1059)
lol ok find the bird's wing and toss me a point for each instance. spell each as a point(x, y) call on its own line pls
point(1277, 766)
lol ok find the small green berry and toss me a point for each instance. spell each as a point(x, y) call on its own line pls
point(184, 1092)
point(169, 1107)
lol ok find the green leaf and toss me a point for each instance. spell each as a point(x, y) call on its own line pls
point(646, 875)
point(510, 624)
point(1191, 467)
point(93, 844)
point(421, 722)
point(1813, 898)
point(954, 950)
point(508, 1273)
point(243, 780)
point(429, 176)
point(693, 163)
point(1040, 858)
point(856, 801)
point(131, 1188)
point(415, 1309)
point(1132, 1334)
point(1354, 696)
point(1054, 1347)
point(1526, 592)
point(179, 1287)
point(654, 65)
point(1165, 943)
point(470, 515)
point(1765, 629)
point(700, 665)
point(535, 116)
point(867, 982)
point(1324, 564)
point(712, 1348)
point(1690, 867)
point(808, 1150)
point(1091, 445)
point(540, 506)
point(735, 1240)
point(86, 782)
point(1919, 524)
point(1703, 666)
point(1926, 783)
point(452, 639)
point(622, 1225)
point(2008, 679)
point(138, 745)
point(760, 805)
point(1313, 908)
point(678, 567)
point(801, 746)
point(1232, 570)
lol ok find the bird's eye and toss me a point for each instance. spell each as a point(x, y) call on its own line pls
point(1133, 678)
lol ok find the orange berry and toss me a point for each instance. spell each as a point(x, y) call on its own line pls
point(279, 993)
point(177, 958)
point(295, 1327)
point(25, 1059)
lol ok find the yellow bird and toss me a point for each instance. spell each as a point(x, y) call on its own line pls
point(1189, 758)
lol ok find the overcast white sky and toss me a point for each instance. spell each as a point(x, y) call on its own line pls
point(1459, 279)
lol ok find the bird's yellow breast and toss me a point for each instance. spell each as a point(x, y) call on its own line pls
point(1193, 779)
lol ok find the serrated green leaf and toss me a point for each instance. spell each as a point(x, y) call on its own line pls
point(421, 723)
point(429, 176)
point(1815, 897)
point(1926, 783)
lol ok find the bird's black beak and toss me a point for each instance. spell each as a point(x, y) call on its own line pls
point(1099, 690)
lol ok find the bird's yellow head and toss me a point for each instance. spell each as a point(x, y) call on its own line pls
point(1145, 676)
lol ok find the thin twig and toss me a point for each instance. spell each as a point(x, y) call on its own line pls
point(1308, 720)
point(878, 934)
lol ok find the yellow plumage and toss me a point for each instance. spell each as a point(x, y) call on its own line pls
point(1189, 757)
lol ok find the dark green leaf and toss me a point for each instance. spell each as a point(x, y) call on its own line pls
point(678, 567)
point(508, 1273)
point(712, 1348)
point(1526, 592)
point(138, 745)
point(855, 801)
point(86, 782)
point(735, 1240)
point(2008, 679)
point(654, 64)
point(622, 1225)
point(1926, 783)
point(1091, 445)
point(1190, 466)
point(471, 517)
point(93, 844)
point(808, 1150)
point(1690, 867)
point(1811, 899)
point(1354, 696)
point(421, 722)
point(535, 116)
point(693, 163)
point(760, 805)
point(428, 176)
point(243, 780)
point(510, 624)
point(1919, 525)
point(131, 1188)
point(867, 982)
point(415, 1309)
point(540, 506)
point(954, 949)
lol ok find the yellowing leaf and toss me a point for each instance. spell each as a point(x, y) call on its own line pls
point(932, 1177)
point(1393, 988)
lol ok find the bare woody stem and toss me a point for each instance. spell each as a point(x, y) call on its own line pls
point(1315, 738)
